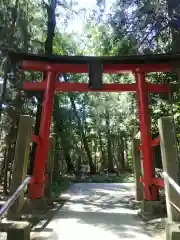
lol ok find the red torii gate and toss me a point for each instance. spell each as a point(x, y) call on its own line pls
point(137, 65)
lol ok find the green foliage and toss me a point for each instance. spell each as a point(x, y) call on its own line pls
point(92, 128)
point(123, 178)
point(60, 185)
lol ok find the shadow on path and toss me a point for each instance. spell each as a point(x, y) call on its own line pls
point(96, 211)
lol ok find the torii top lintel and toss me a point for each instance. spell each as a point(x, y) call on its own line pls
point(111, 64)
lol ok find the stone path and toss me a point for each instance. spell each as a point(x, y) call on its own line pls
point(96, 212)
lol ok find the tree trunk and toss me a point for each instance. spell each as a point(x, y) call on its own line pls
point(78, 168)
point(121, 154)
point(83, 137)
point(125, 140)
point(56, 172)
point(63, 135)
point(103, 156)
point(70, 166)
point(174, 16)
point(88, 152)
point(50, 27)
point(9, 44)
point(65, 147)
point(95, 154)
point(109, 144)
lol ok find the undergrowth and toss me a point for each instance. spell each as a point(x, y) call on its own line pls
point(64, 181)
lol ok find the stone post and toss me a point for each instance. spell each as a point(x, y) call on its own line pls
point(20, 162)
point(137, 168)
point(170, 168)
point(16, 230)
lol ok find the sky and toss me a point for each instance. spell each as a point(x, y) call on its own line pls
point(77, 22)
point(86, 3)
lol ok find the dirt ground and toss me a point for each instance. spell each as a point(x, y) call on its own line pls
point(99, 211)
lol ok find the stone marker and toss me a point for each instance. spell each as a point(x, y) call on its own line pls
point(137, 168)
point(170, 168)
point(20, 163)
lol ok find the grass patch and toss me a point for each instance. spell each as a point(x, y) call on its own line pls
point(124, 178)
point(61, 185)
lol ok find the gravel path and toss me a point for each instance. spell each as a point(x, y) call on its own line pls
point(96, 211)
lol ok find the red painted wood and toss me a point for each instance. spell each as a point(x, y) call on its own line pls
point(158, 88)
point(158, 182)
point(36, 190)
point(140, 147)
point(34, 86)
point(36, 139)
point(155, 142)
point(144, 120)
point(83, 68)
point(83, 87)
